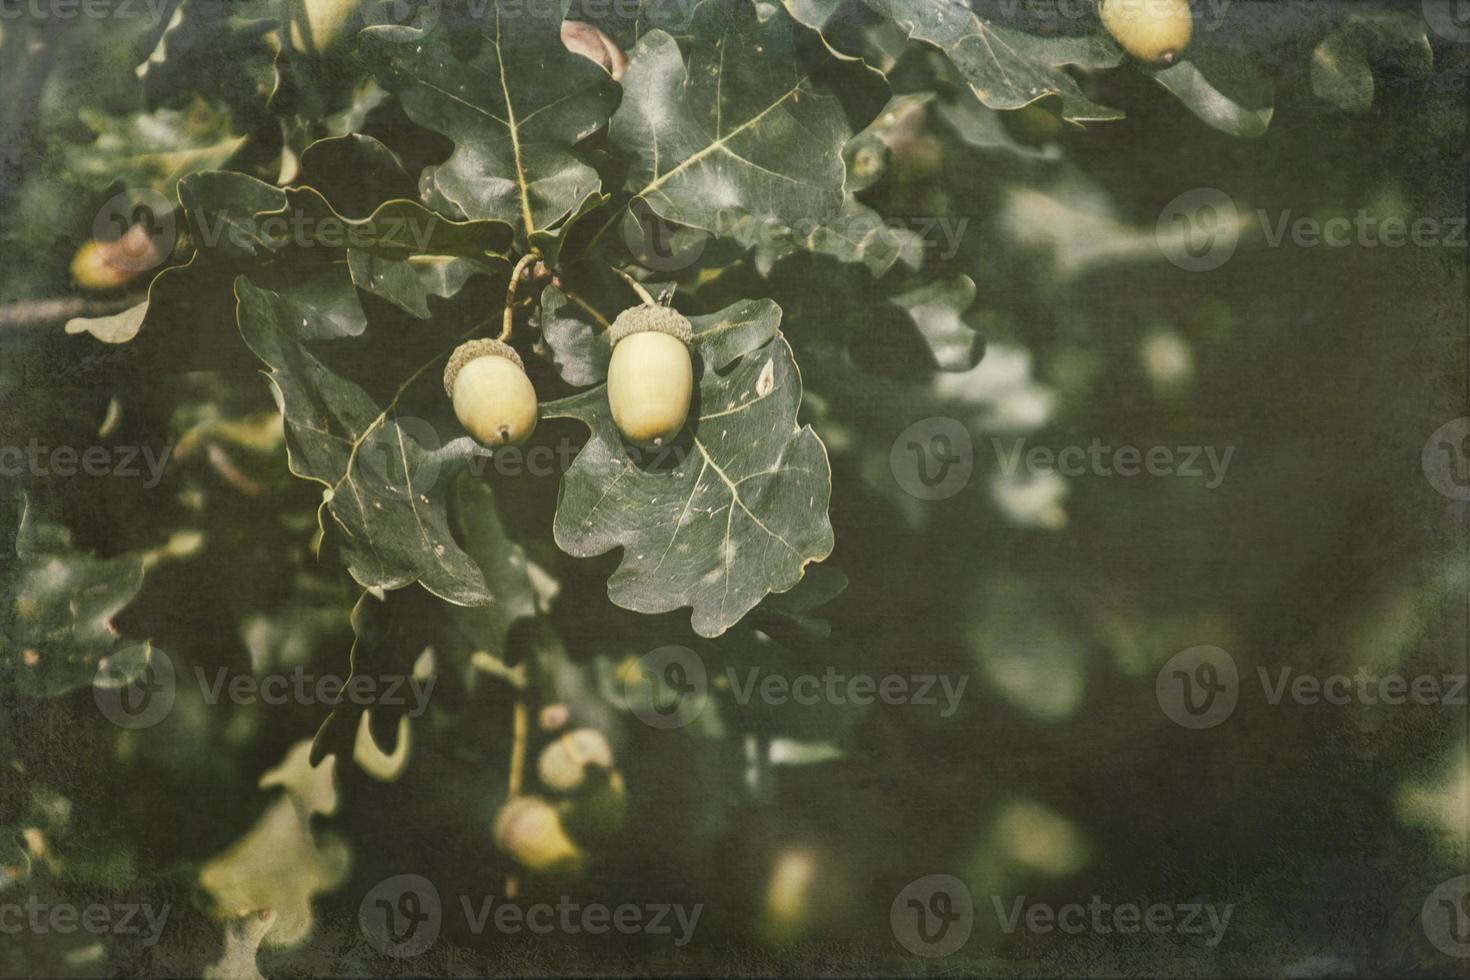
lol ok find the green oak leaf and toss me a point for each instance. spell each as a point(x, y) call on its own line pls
point(1006, 68)
point(735, 509)
point(384, 474)
point(856, 234)
point(1342, 65)
point(514, 109)
point(576, 338)
point(154, 150)
point(739, 131)
point(356, 173)
point(392, 632)
point(56, 620)
point(1224, 90)
point(403, 252)
point(937, 310)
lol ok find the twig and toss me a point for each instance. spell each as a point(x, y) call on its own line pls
point(637, 288)
point(591, 310)
point(519, 733)
point(39, 312)
point(508, 323)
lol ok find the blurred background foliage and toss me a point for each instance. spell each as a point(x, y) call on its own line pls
point(1324, 548)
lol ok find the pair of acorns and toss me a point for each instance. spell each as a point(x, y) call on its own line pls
point(545, 837)
point(650, 381)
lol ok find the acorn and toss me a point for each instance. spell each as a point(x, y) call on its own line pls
point(564, 764)
point(530, 830)
point(651, 376)
point(492, 396)
point(1153, 31)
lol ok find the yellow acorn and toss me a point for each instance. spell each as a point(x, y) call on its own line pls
point(650, 379)
point(564, 764)
point(1153, 31)
point(530, 830)
point(492, 396)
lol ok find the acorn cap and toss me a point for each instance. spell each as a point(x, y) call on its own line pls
point(473, 350)
point(662, 319)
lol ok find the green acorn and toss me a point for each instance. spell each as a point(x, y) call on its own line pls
point(493, 398)
point(650, 379)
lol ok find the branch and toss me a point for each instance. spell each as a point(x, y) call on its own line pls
point(40, 312)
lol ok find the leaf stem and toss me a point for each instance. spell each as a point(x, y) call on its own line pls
point(637, 287)
point(508, 321)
